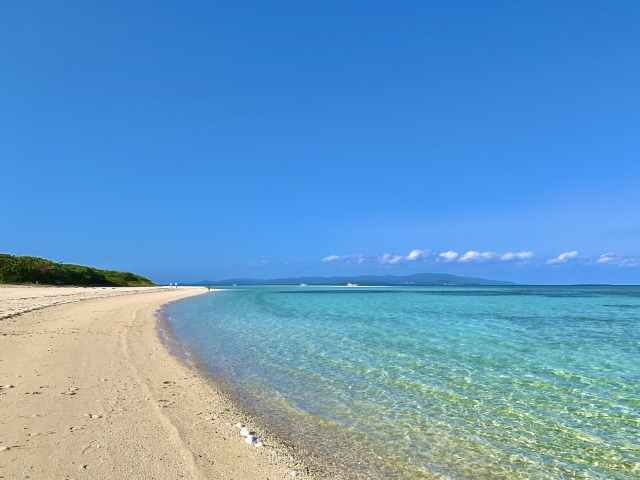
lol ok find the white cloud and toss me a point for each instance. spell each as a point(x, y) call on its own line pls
point(521, 258)
point(469, 256)
point(473, 256)
point(388, 259)
point(563, 257)
point(449, 256)
point(354, 257)
point(608, 258)
point(615, 259)
point(416, 254)
point(333, 258)
point(516, 256)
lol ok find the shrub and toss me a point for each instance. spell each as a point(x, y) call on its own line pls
point(28, 269)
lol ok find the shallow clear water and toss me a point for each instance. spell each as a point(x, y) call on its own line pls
point(465, 382)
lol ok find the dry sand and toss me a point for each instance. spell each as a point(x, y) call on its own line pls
point(88, 390)
point(15, 300)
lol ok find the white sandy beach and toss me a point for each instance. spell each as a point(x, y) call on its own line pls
point(88, 390)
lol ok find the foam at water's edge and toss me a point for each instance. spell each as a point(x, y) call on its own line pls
point(174, 347)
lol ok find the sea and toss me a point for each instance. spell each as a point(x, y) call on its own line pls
point(457, 382)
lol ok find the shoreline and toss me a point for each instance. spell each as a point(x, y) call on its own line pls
point(293, 430)
point(247, 412)
point(89, 390)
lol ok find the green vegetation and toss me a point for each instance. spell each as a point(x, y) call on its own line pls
point(26, 269)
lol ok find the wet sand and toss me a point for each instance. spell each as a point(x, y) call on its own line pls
point(88, 390)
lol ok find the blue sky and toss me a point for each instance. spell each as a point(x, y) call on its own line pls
point(193, 140)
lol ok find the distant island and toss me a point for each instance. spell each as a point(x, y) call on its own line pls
point(26, 270)
point(416, 279)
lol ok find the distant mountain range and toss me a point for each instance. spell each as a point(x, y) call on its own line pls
point(416, 279)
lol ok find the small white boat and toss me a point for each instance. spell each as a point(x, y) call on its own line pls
point(352, 284)
point(303, 284)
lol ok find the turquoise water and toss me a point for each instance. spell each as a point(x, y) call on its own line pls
point(432, 382)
